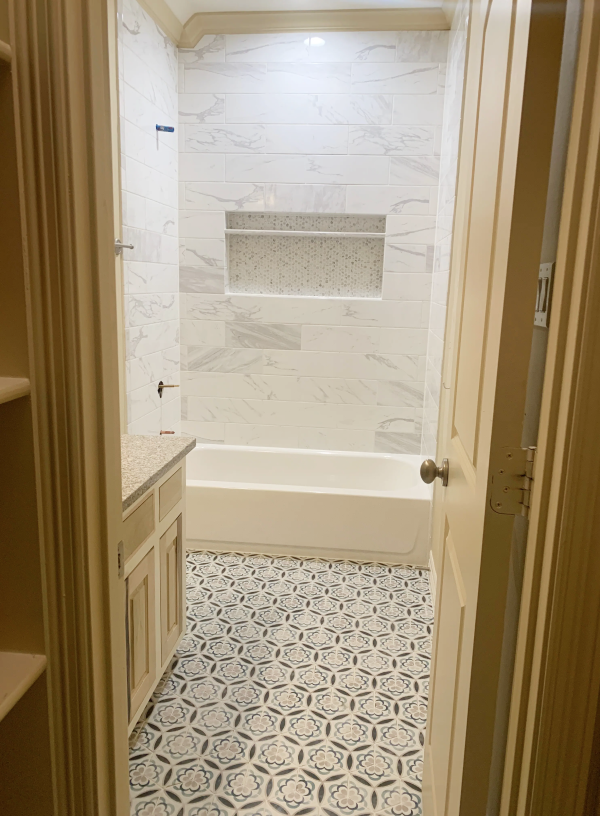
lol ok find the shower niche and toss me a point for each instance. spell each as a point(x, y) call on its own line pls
point(310, 255)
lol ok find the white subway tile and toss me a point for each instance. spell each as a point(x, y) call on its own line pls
point(241, 386)
point(314, 198)
point(313, 77)
point(410, 229)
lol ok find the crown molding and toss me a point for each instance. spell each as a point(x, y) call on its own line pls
point(164, 17)
point(262, 22)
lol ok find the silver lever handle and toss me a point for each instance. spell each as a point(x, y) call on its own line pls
point(430, 471)
point(120, 246)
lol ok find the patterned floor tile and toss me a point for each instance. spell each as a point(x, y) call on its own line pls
point(300, 687)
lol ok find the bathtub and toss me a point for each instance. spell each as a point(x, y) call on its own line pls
point(367, 506)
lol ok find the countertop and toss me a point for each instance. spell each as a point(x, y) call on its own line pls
point(144, 459)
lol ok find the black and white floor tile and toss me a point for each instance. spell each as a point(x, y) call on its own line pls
point(299, 688)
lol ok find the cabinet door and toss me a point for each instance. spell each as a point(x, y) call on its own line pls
point(141, 631)
point(171, 588)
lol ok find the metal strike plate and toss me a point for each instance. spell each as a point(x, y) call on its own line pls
point(121, 559)
point(544, 295)
point(511, 482)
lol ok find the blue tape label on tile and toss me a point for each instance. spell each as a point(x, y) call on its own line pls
point(166, 128)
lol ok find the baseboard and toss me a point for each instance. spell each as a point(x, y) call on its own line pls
point(333, 554)
point(432, 578)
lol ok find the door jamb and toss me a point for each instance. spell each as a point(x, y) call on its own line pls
point(549, 766)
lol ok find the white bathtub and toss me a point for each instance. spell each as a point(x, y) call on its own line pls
point(328, 503)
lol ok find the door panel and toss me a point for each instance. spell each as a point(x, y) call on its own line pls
point(171, 588)
point(451, 619)
point(508, 121)
point(141, 630)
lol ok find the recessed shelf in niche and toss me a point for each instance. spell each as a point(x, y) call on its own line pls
point(305, 254)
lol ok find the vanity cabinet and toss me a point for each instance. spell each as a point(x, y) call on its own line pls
point(154, 555)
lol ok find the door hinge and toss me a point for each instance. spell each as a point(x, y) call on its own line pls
point(121, 559)
point(512, 482)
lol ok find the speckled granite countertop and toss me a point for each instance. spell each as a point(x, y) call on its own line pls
point(144, 459)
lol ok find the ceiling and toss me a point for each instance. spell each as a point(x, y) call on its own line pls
point(184, 9)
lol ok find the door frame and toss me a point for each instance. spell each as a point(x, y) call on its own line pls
point(553, 739)
point(61, 78)
point(62, 63)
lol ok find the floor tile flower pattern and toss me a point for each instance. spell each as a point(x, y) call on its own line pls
point(299, 688)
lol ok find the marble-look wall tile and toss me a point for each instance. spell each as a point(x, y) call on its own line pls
point(391, 140)
point(385, 198)
point(343, 122)
point(210, 48)
point(422, 46)
point(211, 433)
point(268, 436)
point(201, 108)
point(148, 75)
point(224, 138)
point(284, 47)
point(356, 46)
point(337, 390)
point(262, 335)
point(310, 139)
point(226, 360)
point(340, 338)
point(310, 109)
point(394, 442)
point(395, 78)
point(312, 169)
point(415, 170)
point(336, 440)
point(207, 279)
point(203, 333)
point(228, 197)
point(315, 198)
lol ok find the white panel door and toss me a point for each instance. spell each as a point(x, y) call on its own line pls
point(510, 95)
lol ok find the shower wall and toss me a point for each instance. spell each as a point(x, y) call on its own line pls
point(329, 123)
point(450, 138)
point(149, 160)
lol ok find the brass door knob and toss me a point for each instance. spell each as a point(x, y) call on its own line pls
point(430, 471)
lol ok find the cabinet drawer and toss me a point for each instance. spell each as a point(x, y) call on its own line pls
point(138, 526)
point(170, 493)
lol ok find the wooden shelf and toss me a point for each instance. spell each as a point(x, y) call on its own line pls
point(5, 52)
point(18, 672)
point(12, 388)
